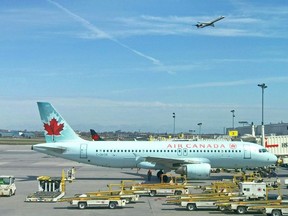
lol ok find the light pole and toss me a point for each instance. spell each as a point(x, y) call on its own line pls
point(174, 116)
point(199, 124)
point(262, 86)
point(233, 116)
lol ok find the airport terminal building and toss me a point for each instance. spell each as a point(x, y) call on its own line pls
point(278, 129)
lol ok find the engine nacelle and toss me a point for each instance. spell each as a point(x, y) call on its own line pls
point(195, 171)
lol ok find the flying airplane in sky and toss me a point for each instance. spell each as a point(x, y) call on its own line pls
point(191, 158)
point(211, 23)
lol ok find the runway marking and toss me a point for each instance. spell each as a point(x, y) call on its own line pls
point(52, 163)
point(19, 151)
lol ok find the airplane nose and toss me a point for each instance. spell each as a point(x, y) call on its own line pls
point(272, 159)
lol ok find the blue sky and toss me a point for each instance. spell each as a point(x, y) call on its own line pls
point(125, 64)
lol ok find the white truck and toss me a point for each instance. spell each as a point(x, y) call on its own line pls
point(253, 190)
point(7, 186)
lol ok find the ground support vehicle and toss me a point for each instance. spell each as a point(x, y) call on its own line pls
point(274, 210)
point(50, 189)
point(194, 203)
point(176, 186)
point(220, 187)
point(247, 177)
point(242, 207)
point(7, 186)
point(128, 195)
point(158, 189)
point(286, 183)
point(83, 201)
point(252, 194)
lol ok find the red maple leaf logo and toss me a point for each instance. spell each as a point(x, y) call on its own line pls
point(95, 137)
point(53, 128)
point(233, 146)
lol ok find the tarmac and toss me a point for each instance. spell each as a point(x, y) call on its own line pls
point(26, 165)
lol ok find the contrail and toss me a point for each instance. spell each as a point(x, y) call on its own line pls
point(103, 34)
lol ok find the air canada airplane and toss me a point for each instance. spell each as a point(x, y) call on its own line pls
point(211, 23)
point(95, 136)
point(191, 158)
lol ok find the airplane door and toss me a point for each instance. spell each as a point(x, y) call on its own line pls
point(83, 151)
point(181, 152)
point(247, 151)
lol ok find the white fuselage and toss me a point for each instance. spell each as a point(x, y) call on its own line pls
point(130, 154)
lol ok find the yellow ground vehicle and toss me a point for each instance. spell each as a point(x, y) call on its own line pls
point(274, 210)
point(84, 201)
point(194, 202)
point(242, 207)
point(220, 187)
point(128, 195)
point(254, 194)
point(50, 189)
point(176, 185)
point(7, 186)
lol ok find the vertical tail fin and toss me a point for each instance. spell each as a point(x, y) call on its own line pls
point(56, 129)
point(95, 136)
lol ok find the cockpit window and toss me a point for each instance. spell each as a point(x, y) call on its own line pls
point(262, 150)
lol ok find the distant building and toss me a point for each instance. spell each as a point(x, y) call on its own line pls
point(270, 129)
point(16, 134)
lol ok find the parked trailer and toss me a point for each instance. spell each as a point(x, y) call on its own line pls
point(231, 201)
point(84, 201)
point(198, 203)
point(274, 210)
point(177, 185)
point(157, 189)
point(193, 203)
point(242, 207)
point(128, 195)
point(254, 194)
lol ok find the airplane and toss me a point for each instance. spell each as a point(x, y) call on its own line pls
point(211, 23)
point(95, 136)
point(191, 158)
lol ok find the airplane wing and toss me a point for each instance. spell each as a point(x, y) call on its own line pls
point(174, 163)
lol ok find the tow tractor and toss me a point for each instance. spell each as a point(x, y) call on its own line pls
point(7, 186)
point(83, 201)
point(50, 189)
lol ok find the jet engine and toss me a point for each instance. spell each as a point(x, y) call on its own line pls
point(195, 171)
